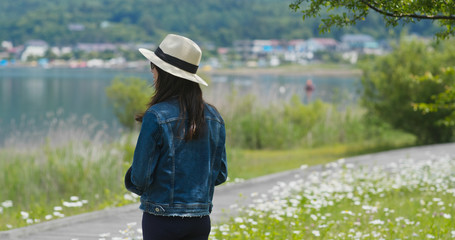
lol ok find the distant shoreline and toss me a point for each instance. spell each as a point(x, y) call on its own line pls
point(287, 71)
point(293, 70)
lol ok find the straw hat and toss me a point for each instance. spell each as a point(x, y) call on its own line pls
point(177, 55)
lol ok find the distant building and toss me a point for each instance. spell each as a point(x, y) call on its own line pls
point(256, 49)
point(358, 42)
point(95, 63)
point(264, 47)
point(59, 51)
point(296, 50)
point(7, 45)
point(34, 48)
point(16, 51)
point(321, 44)
point(243, 48)
point(297, 45)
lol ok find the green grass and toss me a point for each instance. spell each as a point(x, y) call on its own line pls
point(245, 164)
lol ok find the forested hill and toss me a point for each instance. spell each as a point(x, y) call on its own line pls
point(61, 22)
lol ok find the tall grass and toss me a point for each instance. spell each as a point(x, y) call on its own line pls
point(74, 171)
point(287, 125)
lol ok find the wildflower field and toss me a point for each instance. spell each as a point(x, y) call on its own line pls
point(403, 200)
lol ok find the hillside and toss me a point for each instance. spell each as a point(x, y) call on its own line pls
point(61, 22)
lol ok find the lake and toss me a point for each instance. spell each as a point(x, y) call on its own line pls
point(32, 98)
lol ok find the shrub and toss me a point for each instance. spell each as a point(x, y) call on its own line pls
point(129, 96)
point(442, 102)
point(394, 83)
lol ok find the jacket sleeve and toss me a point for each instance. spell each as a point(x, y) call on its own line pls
point(140, 174)
point(223, 171)
point(222, 175)
point(129, 185)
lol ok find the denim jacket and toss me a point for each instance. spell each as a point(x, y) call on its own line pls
point(175, 177)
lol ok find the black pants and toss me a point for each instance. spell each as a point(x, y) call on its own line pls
point(175, 228)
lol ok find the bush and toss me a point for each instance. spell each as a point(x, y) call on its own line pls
point(394, 83)
point(442, 102)
point(129, 97)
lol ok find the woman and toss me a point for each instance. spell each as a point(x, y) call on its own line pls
point(180, 154)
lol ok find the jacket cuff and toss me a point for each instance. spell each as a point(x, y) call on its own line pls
point(129, 185)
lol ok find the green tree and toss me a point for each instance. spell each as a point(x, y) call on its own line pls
point(438, 100)
point(395, 83)
point(443, 101)
point(394, 12)
point(220, 22)
point(129, 97)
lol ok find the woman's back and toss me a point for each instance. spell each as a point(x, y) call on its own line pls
point(185, 172)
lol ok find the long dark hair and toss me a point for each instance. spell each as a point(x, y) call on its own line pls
point(189, 95)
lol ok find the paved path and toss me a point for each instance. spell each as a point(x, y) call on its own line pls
point(107, 224)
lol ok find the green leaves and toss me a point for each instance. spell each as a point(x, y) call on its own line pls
point(441, 102)
point(393, 12)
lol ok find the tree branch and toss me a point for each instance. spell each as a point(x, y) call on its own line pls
point(413, 15)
